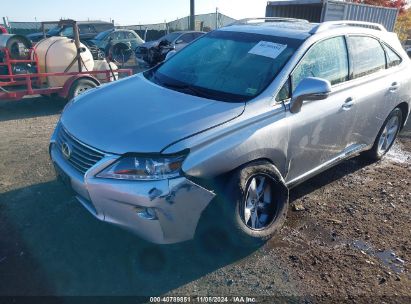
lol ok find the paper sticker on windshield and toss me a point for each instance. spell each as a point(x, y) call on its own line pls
point(268, 49)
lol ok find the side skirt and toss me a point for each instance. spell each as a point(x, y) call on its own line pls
point(348, 153)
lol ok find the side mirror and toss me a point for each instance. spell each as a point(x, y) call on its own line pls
point(310, 88)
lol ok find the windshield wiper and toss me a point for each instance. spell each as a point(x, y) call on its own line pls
point(185, 88)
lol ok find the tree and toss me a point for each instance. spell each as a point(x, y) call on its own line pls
point(400, 4)
point(403, 25)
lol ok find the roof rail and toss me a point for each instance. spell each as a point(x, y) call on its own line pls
point(267, 19)
point(329, 24)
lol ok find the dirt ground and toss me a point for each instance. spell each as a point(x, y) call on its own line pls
point(349, 240)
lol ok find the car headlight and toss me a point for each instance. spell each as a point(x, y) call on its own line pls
point(144, 168)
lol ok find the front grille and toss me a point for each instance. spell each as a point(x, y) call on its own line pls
point(82, 157)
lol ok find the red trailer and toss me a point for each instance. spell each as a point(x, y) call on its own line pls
point(3, 30)
point(17, 85)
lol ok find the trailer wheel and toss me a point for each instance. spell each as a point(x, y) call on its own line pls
point(80, 86)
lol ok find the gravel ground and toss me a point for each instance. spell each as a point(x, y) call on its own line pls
point(350, 238)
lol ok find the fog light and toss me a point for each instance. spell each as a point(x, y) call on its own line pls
point(147, 213)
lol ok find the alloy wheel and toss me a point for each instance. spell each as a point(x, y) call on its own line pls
point(388, 135)
point(259, 208)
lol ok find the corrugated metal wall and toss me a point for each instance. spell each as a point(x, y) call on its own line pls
point(318, 11)
point(310, 12)
point(359, 12)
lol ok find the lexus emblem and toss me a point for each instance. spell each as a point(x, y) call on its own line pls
point(66, 150)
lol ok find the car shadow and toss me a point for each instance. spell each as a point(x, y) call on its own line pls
point(66, 251)
point(327, 177)
point(337, 172)
point(30, 107)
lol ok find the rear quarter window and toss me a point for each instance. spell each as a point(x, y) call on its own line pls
point(392, 58)
point(367, 55)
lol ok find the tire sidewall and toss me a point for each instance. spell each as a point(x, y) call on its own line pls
point(396, 112)
point(234, 197)
point(79, 82)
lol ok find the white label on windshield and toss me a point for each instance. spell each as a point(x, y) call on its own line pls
point(268, 49)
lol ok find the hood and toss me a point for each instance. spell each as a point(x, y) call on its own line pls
point(136, 115)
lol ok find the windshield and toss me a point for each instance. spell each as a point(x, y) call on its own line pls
point(67, 32)
point(102, 35)
point(54, 31)
point(227, 66)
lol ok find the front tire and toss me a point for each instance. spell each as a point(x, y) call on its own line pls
point(386, 136)
point(254, 204)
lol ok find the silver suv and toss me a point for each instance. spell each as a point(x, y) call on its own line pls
point(232, 122)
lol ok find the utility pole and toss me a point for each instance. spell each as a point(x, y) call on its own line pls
point(192, 15)
point(216, 18)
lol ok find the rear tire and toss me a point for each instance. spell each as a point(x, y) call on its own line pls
point(80, 86)
point(386, 136)
point(254, 204)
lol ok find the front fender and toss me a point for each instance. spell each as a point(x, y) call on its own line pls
point(248, 138)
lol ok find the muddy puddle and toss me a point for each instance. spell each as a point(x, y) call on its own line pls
point(398, 155)
point(387, 257)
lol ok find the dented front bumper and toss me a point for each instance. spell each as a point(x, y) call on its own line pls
point(174, 205)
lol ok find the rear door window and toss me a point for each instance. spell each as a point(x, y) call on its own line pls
point(197, 35)
point(367, 55)
point(328, 59)
point(186, 38)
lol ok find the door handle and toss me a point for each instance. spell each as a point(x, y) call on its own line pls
point(348, 103)
point(394, 86)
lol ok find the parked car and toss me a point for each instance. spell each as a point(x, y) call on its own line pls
point(231, 123)
point(407, 47)
point(105, 40)
point(87, 30)
point(153, 52)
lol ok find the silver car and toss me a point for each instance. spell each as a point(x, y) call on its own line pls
point(231, 123)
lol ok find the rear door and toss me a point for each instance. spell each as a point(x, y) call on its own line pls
point(323, 129)
point(375, 85)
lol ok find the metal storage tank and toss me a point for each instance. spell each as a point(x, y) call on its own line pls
point(328, 10)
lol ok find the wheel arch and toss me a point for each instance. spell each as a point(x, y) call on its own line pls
point(217, 182)
point(404, 107)
point(69, 83)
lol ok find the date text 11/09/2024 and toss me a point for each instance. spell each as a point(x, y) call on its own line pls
point(205, 299)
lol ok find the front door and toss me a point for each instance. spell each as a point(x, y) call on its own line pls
point(323, 129)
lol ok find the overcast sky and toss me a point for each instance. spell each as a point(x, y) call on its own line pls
point(125, 12)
